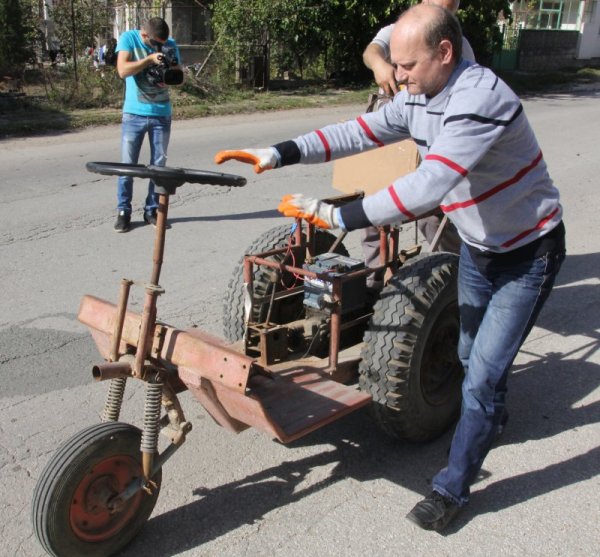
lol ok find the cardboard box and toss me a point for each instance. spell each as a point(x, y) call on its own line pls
point(375, 169)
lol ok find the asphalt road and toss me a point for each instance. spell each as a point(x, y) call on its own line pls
point(345, 489)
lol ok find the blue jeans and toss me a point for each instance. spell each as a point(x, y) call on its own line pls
point(498, 308)
point(132, 135)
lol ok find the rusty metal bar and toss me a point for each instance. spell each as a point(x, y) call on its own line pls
point(146, 328)
point(120, 318)
point(158, 461)
point(177, 426)
point(147, 465)
point(194, 348)
point(384, 253)
point(438, 234)
point(349, 324)
point(335, 330)
point(298, 233)
point(278, 251)
point(152, 289)
point(311, 239)
point(394, 239)
point(280, 295)
point(159, 238)
point(311, 274)
point(281, 266)
point(337, 242)
point(111, 370)
point(271, 300)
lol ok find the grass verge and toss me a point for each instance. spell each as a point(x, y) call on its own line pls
point(27, 115)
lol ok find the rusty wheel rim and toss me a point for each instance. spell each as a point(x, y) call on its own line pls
point(90, 516)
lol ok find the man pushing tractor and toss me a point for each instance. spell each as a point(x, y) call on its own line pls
point(483, 166)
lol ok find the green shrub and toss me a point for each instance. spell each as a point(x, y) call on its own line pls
point(95, 87)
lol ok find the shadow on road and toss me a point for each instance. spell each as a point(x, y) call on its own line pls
point(545, 400)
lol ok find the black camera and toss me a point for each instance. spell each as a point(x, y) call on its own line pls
point(164, 73)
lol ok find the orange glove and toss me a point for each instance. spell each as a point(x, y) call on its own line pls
point(262, 159)
point(311, 210)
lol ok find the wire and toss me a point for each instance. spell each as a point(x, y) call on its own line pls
point(290, 253)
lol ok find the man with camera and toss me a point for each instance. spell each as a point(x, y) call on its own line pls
point(148, 61)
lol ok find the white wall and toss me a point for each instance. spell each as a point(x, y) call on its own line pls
point(589, 42)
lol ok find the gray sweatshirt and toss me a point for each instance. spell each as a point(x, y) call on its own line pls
point(481, 162)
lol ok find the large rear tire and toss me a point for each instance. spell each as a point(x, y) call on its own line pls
point(410, 362)
point(69, 511)
point(284, 311)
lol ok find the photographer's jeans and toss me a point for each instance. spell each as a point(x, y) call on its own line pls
point(498, 308)
point(133, 130)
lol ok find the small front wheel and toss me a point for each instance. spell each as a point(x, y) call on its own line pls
point(71, 511)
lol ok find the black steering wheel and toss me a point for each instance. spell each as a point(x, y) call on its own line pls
point(166, 179)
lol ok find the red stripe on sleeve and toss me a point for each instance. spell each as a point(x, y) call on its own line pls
point(530, 230)
point(368, 131)
point(399, 203)
point(456, 167)
point(325, 144)
point(495, 189)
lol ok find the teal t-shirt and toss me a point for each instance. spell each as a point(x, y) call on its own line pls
point(142, 98)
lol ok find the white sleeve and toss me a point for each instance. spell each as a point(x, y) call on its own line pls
point(383, 38)
point(467, 51)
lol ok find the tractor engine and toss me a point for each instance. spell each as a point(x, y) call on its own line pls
point(309, 334)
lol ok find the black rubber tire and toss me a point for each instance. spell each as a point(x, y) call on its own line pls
point(54, 497)
point(287, 310)
point(409, 361)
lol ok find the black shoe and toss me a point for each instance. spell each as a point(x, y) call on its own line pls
point(123, 220)
point(434, 512)
point(150, 218)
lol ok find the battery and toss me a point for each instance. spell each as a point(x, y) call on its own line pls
point(318, 293)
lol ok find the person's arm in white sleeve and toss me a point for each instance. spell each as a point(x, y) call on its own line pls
point(377, 58)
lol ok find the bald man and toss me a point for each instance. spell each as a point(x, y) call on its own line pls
point(377, 58)
point(483, 166)
point(377, 54)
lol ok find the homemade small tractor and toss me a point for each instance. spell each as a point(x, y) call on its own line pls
point(306, 343)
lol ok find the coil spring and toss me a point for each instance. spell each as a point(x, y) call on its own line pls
point(152, 407)
point(114, 399)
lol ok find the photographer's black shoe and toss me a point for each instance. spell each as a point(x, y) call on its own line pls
point(123, 220)
point(434, 512)
point(150, 218)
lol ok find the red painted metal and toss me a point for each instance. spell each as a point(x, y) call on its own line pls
point(89, 514)
point(286, 403)
point(118, 327)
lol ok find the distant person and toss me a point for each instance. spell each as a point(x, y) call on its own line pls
point(109, 54)
point(146, 110)
point(53, 51)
